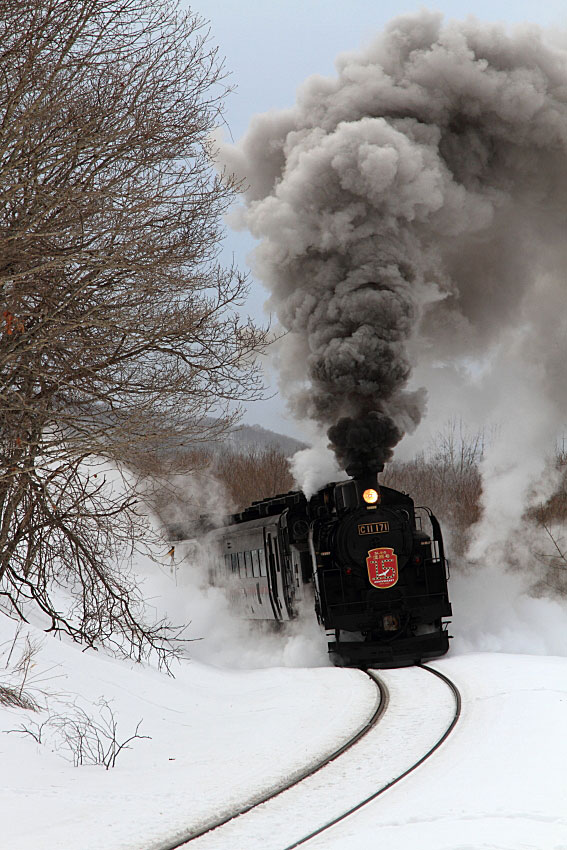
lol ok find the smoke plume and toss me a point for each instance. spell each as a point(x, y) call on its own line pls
point(411, 205)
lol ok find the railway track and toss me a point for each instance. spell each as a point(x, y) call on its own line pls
point(379, 709)
point(454, 720)
point(266, 815)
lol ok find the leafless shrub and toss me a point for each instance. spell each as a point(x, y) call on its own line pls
point(554, 510)
point(15, 689)
point(548, 543)
point(14, 698)
point(216, 484)
point(253, 474)
point(550, 551)
point(83, 738)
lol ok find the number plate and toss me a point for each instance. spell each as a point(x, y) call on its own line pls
point(374, 528)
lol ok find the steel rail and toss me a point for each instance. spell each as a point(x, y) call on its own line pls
point(380, 708)
point(392, 782)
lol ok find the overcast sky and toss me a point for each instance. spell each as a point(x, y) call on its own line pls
point(271, 46)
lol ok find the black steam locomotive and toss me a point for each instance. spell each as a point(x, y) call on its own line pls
point(375, 562)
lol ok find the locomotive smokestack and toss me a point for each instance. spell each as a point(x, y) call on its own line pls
point(367, 488)
point(412, 203)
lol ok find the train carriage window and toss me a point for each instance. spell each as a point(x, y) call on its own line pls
point(248, 562)
point(262, 559)
point(241, 563)
point(256, 562)
point(234, 560)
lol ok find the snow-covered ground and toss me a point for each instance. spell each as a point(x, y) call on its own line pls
point(420, 708)
point(216, 738)
point(498, 782)
point(220, 733)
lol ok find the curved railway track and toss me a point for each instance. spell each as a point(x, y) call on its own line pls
point(442, 733)
point(457, 697)
point(380, 708)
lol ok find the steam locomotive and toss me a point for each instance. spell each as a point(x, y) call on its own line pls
point(374, 561)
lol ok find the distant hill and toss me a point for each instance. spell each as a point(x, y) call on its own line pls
point(243, 437)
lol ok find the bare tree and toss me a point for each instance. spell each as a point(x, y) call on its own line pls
point(117, 327)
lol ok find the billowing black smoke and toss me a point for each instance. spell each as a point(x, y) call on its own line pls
point(410, 203)
point(364, 444)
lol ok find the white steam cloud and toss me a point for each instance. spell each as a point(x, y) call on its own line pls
point(181, 591)
point(495, 611)
point(178, 588)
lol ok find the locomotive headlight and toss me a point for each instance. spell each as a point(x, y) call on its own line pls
point(370, 496)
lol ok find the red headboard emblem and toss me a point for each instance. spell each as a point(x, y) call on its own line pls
point(382, 567)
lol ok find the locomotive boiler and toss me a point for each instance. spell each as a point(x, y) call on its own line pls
point(372, 561)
